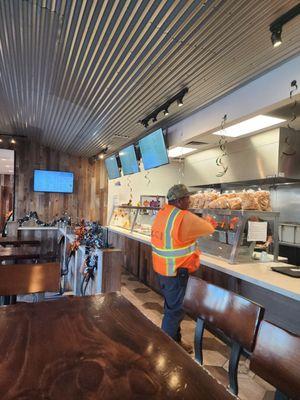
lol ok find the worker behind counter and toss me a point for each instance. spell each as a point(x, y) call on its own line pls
point(175, 254)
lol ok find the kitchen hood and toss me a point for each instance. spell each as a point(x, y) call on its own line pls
point(268, 158)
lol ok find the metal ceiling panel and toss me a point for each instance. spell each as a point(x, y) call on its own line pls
point(79, 74)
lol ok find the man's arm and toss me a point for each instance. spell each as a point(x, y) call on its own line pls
point(193, 227)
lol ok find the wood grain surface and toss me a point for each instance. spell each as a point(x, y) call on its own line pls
point(98, 347)
point(15, 241)
point(29, 278)
point(89, 199)
point(18, 253)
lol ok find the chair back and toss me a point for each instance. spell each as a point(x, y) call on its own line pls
point(276, 358)
point(235, 316)
point(29, 278)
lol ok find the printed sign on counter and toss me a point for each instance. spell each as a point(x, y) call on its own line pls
point(257, 231)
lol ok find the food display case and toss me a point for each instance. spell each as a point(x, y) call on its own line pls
point(235, 233)
point(134, 219)
point(123, 217)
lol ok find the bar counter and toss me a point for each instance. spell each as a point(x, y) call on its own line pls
point(279, 294)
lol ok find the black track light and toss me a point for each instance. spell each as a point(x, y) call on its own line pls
point(180, 102)
point(276, 38)
point(277, 25)
point(164, 108)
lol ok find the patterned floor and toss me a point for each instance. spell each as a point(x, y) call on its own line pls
point(216, 354)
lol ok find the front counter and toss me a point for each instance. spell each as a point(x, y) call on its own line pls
point(279, 294)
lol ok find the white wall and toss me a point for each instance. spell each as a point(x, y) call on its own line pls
point(161, 179)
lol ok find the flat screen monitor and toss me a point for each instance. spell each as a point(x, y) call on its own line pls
point(128, 160)
point(112, 167)
point(53, 181)
point(153, 150)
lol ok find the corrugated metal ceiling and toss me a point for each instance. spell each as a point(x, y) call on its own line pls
point(80, 74)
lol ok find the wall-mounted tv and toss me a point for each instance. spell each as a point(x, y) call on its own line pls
point(53, 181)
point(153, 150)
point(112, 167)
point(128, 160)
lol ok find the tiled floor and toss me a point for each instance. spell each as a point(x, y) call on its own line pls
point(215, 354)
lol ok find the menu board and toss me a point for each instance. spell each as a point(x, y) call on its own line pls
point(153, 150)
point(53, 181)
point(112, 167)
point(128, 160)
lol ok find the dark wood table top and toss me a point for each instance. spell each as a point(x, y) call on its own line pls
point(18, 253)
point(14, 241)
point(97, 347)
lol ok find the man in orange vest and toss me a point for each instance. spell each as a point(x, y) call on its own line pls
point(175, 255)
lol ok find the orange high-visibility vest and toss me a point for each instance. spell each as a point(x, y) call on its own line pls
point(168, 252)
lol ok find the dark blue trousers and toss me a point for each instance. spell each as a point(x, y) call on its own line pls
point(173, 289)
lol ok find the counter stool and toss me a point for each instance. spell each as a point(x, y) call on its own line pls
point(276, 359)
point(18, 279)
point(233, 315)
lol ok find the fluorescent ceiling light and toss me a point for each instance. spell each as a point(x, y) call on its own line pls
point(179, 151)
point(250, 125)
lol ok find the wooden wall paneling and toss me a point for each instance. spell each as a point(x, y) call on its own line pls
point(131, 255)
point(111, 270)
point(146, 273)
point(89, 200)
point(6, 197)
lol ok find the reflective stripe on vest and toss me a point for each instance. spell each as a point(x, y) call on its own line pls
point(171, 253)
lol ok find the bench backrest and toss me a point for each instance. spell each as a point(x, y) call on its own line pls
point(29, 278)
point(276, 358)
point(235, 316)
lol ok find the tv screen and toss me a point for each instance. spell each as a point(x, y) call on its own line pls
point(53, 181)
point(128, 160)
point(153, 150)
point(112, 167)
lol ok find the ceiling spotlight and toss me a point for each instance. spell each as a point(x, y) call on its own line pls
point(276, 38)
point(180, 102)
point(146, 124)
point(154, 119)
point(13, 141)
point(1, 140)
point(166, 112)
point(101, 156)
point(277, 25)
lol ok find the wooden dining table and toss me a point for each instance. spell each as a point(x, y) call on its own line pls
point(96, 347)
point(19, 253)
point(15, 241)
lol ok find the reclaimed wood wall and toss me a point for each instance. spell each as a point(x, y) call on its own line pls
point(6, 196)
point(89, 200)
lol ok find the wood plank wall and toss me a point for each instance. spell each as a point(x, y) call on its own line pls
point(6, 196)
point(89, 199)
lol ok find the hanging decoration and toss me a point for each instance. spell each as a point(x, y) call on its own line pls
point(289, 142)
point(130, 191)
point(222, 145)
point(33, 216)
point(147, 177)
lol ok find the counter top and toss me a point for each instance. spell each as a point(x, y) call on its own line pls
point(259, 274)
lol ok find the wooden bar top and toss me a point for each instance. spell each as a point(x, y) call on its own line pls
point(18, 253)
point(97, 347)
point(14, 241)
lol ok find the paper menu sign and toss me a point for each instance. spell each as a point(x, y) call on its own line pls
point(257, 231)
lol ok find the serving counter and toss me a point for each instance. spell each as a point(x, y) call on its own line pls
point(279, 294)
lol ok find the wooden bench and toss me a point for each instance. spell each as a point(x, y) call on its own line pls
point(233, 315)
point(276, 359)
point(29, 278)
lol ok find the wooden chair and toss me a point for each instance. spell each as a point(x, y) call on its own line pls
point(276, 359)
point(233, 315)
point(28, 278)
